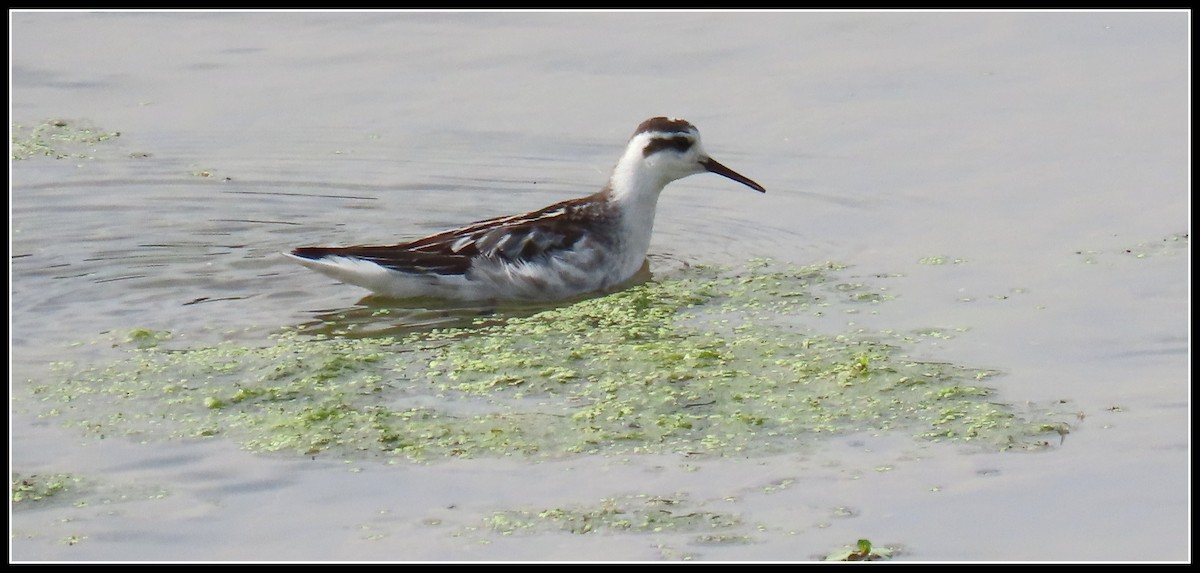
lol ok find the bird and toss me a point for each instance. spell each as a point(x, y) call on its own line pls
point(592, 244)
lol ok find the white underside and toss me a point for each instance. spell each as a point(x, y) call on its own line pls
point(579, 271)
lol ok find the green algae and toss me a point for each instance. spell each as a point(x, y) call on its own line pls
point(702, 362)
point(40, 487)
point(635, 513)
point(941, 260)
point(57, 138)
point(863, 550)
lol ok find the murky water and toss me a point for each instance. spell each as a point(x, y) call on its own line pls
point(1042, 157)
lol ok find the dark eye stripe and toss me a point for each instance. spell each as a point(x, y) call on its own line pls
point(678, 143)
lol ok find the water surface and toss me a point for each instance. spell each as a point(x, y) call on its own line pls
point(1020, 180)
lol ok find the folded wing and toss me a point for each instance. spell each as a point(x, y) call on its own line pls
point(512, 239)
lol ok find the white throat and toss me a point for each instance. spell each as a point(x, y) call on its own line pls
point(634, 189)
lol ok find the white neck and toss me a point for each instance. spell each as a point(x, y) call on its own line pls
point(634, 189)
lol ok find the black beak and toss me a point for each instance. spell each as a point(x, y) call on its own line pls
point(713, 167)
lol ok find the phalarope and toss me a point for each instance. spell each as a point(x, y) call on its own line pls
point(583, 245)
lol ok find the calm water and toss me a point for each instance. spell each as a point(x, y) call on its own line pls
point(1045, 156)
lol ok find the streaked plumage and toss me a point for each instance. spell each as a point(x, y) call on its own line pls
point(579, 246)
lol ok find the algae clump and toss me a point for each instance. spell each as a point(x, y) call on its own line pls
point(57, 138)
point(705, 361)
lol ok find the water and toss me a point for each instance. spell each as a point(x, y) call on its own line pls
point(1035, 149)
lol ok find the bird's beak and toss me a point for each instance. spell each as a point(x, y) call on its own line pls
point(713, 167)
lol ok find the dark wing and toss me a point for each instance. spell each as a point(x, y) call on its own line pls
point(516, 238)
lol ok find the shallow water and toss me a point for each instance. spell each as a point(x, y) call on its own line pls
point(1043, 156)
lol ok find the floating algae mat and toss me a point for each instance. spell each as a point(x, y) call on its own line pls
point(639, 513)
point(705, 361)
point(57, 138)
